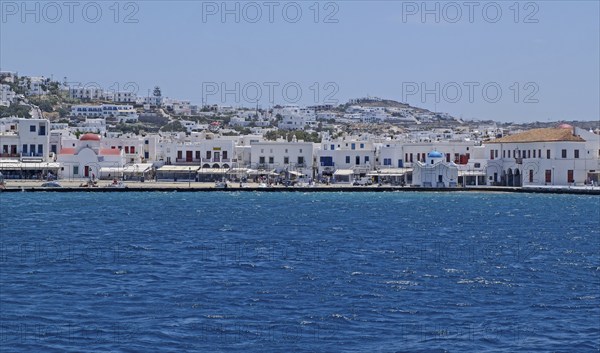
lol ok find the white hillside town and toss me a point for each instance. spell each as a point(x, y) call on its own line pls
point(51, 130)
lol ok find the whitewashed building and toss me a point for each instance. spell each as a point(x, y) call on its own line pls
point(435, 172)
point(282, 156)
point(87, 93)
point(346, 159)
point(84, 158)
point(122, 112)
point(24, 139)
point(7, 95)
point(551, 156)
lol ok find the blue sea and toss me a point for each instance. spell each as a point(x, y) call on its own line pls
point(295, 272)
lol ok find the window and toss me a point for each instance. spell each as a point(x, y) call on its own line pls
point(126, 149)
point(353, 146)
point(508, 153)
point(271, 160)
point(496, 153)
point(24, 149)
point(261, 160)
point(357, 160)
point(75, 170)
point(31, 128)
point(146, 142)
point(362, 145)
point(224, 154)
point(300, 160)
point(286, 160)
point(132, 149)
point(208, 155)
point(503, 154)
point(576, 153)
point(41, 149)
point(332, 147)
point(477, 165)
point(547, 154)
point(366, 159)
point(198, 155)
point(564, 153)
point(387, 161)
point(533, 153)
point(348, 159)
point(42, 130)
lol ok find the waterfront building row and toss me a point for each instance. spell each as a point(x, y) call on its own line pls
point(564, 155)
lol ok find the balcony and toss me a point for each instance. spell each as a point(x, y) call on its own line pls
point(188, 161)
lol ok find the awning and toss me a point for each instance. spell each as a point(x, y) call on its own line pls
point(28, 166)
point(471, 173)
point(296, 173)
point(110, 170)
point(344, 172)
point(137, 168)
point(389, 172)
point(178, 168)
point(262, 172)
point(212, 171)
point(237, 171)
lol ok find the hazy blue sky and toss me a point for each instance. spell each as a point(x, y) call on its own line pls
point(542, 56)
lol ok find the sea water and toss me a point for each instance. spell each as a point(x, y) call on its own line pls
point(287, 272)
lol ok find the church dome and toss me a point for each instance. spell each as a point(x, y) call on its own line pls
point(435, 154)
point(89, 137)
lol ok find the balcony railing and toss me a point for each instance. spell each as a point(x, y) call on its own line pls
point(188, 160)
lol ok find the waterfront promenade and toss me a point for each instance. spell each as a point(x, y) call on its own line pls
point(74, 186)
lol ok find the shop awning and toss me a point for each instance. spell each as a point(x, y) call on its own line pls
point(212, 171)
point(137, 168)
point(389, 172)
point(471, 173)
point(12, 165)
point(237, 171)
point(262, 172)
point(344, 172)
point(178, 168)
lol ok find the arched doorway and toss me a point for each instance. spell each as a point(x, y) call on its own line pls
point(517, 178)
point(510, 177)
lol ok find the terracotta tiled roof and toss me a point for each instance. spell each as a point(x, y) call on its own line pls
point(541, 135)
point(110, 152)
point(67, 150)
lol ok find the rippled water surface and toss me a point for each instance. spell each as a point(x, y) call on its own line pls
point(277, 272)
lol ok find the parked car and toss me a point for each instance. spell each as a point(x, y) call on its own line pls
point(362, 181)
point(51, 184)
